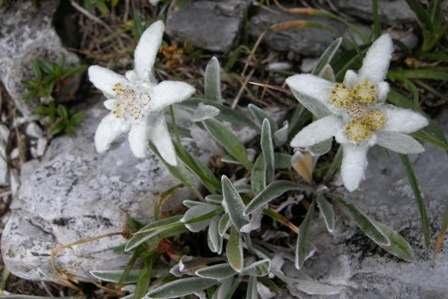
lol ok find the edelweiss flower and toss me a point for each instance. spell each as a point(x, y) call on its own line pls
point(137, 101)
point(357, 114)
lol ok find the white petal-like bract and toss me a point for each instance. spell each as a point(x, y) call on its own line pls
point(350, 78)
point(377, 60)
point(354, 164)
point(108, 130)
point(110, 104)
point(317, 131)
point(138, 139)
point(160, 137)
point(169, 92)
point(104, 79)
point(398, 142)
point(383, 91)
point(147, 48)
point(403, 120)
point(311, 86)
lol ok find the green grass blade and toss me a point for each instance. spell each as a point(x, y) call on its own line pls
point(424, 219)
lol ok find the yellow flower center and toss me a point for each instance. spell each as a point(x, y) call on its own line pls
point(365, 93)
point(130, 103)
point(357, 102)
point(361, 128)
point(341, 96)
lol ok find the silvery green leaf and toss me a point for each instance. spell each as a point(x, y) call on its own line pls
point(212, 80)
point(322, 148)
point(251, 292)
point(183, 267)
point(370, 228)
point(196, 167)
point(398, 245)
point(312, 287)
point(226, 289)
point(258, 268)
point(203, 112)
point(234, 250)
point(154, 231)
point(303, 247)
point(327, 73)
point(218, 272)
point(259, 115)
point(272, 191)
point(154, 225)
point(214, 240)
point(224, 224)
point(200, 295)
point(327, 212)
point(282, 161)
point(228, 140)
point(254, 223)
point(196, 212)
point(398, 142)
point(230, 160)
point(191, 203)
point(214, 198)
point(327, 56)
point(267, 149)
point(116, 276)
point(257, 176)
point(318, 109)
point(281, 135)
point(242, 186)
point(181, 287)
point(233, 203)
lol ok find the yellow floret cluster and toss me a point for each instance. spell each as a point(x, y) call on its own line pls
point(363, 127)
point(128, 104)
point(357, 102)
point(364, 93)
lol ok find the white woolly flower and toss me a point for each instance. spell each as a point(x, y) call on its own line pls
point(357, 115)
point(137, 101)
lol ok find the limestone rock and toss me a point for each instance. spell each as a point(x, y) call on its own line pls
point(26, 34)
point(351, 260)
point(210, 25)
point(73, 193)
point(302, 41)
point(391, 11)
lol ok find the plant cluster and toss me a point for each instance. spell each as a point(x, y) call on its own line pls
point(255, 185)
point(49, 78)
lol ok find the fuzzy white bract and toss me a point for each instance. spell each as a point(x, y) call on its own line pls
point(136, 101)
point(356, 113)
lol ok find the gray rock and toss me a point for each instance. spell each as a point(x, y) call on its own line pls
point(210, 25)
point(305, 41)
point(350, 259)
point(26, 33)
point(72, 194)
point(444, 7)
point(391, 11)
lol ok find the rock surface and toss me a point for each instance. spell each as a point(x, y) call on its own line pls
point(391, 11)
point(75, 193)
point(351, 260)
point(210, 25)
point(26, 34)
point(305, 41)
